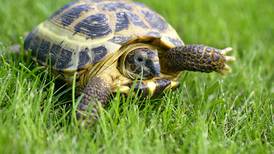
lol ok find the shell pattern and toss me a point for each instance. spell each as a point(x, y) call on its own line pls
point(85, 32)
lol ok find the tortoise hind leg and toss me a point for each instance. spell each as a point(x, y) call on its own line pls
point(95, 94)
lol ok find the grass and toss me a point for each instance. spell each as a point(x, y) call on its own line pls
point(207, 114)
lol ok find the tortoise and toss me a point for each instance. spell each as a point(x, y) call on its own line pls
point(111, 46)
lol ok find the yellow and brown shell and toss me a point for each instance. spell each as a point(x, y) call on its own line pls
point(86, 33)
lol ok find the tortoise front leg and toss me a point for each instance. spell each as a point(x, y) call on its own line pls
point(196, 58)
point(95, 94)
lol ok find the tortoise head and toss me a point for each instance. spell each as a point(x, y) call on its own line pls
point(140, 61)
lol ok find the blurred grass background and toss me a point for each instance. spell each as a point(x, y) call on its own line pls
point(207, 114)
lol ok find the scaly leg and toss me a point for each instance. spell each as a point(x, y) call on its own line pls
point(95, 94)
point(196, 58)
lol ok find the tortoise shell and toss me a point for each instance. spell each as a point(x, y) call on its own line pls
point(86, 33)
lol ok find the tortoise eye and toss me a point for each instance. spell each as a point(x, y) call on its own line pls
point(140, 59)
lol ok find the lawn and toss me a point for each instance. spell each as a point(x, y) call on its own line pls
point(209, 113)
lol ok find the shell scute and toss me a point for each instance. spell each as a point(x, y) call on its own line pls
point(176, 42)
point(99, 53)
point(64, 60)
point(114, 6)
point(94, 26)
point(84, 58)
point(122, 21)
point(54, 52)
point(154, 34)
point(136, 20)
point(65, 7)
point(28, 41)
point(154, 20)
point(43, 51)
point(72, 14)
point(121, 39)
point(32, 42)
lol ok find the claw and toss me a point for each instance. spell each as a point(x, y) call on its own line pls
point(226, 50)
point(226, 70)
point(230, 58)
